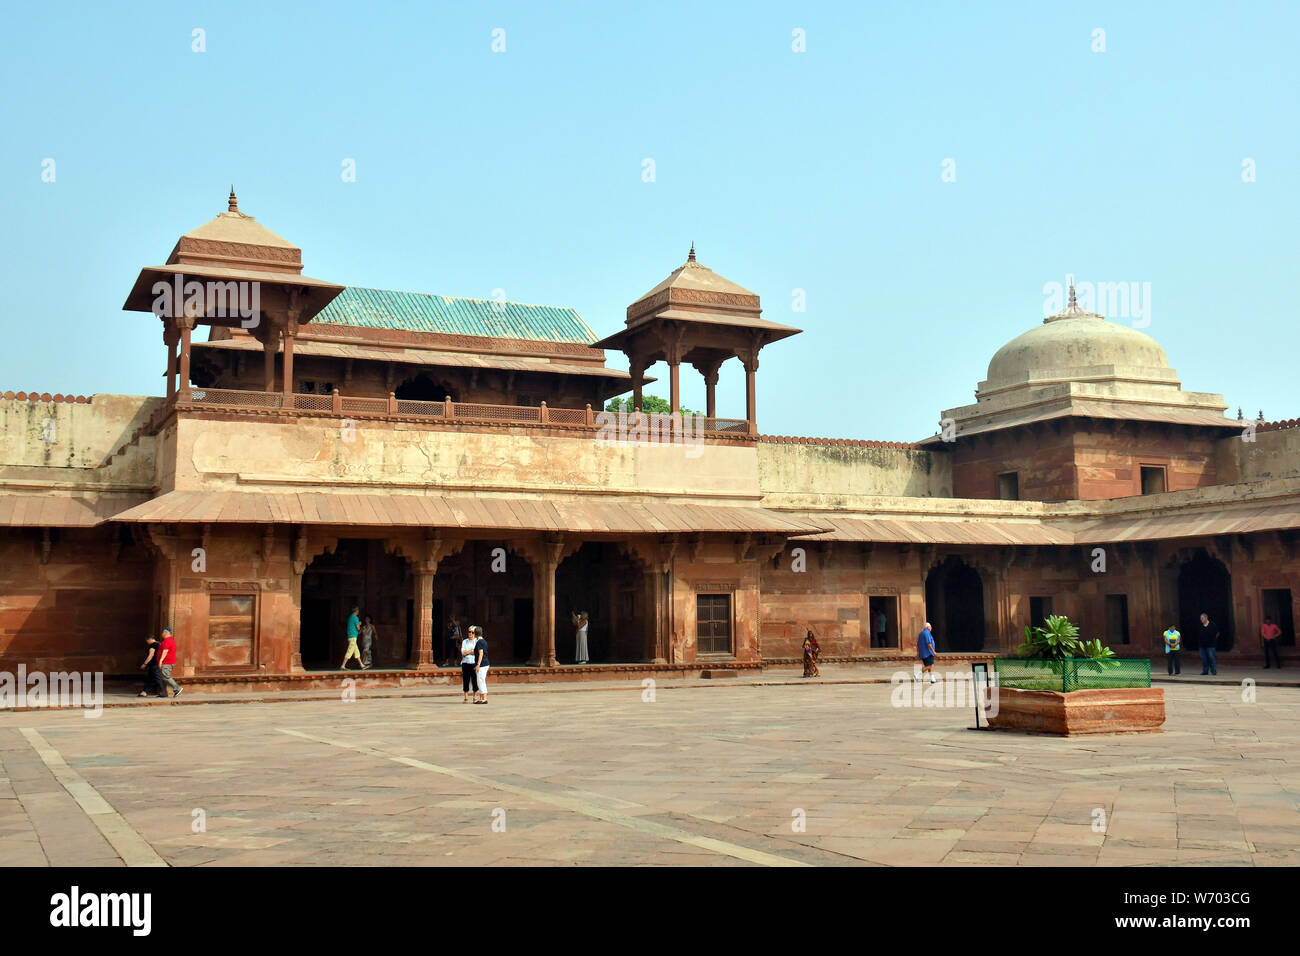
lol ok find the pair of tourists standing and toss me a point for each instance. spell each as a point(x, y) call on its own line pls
point(474, 665)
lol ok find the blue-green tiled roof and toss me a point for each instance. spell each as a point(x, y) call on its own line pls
point(417, 312)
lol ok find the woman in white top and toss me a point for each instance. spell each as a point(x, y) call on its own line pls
point(580, 621)
point(467, 666)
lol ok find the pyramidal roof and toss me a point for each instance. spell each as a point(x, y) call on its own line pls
point(692, 275)
point(235, 226)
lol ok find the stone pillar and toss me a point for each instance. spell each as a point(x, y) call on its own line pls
point(171, 336)
point(548, 559)
point(268, 360)
point(751, 411)
point(422, 646)
point(637, 371)
point(674, 387)
point(187, 324)
point(709, 371)
point(290, 332)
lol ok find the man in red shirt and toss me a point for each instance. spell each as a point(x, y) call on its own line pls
point(166, 660)
point(1270, 635)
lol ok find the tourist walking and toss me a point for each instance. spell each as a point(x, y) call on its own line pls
point(453, 642)
point(367, 641)
point(580, 621)
point(152, 676)
point(480, 663)
point(1270, 636)
point(166, 661)
point(354, 630)
point(468, 681)
point(925, 651)
point(1208, 641)
point(1173, 650)
point(811, 651)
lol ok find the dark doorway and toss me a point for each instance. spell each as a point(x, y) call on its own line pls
point(886, 608)
point(602, 580)
point(1277, 605)
point(422, 388)
point(954, 603)
point(1116, 619)
point(1205, 586)
point(315, 636)
point(1040, 609)
point(523, 635)
point(358, 571)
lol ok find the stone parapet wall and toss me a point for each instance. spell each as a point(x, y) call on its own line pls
point(846, 470)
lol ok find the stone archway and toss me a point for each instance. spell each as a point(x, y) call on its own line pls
point(954, 605)
point(424, 388)
point(1204, 586)
point(360, 572)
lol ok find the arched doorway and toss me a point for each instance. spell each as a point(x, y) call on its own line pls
point(1205, 587)
point(954, 603)
point(610, 586)
point(357, 572)
point(488, 584)
point(422, 388)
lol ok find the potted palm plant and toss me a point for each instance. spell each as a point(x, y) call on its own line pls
point(1061, 684)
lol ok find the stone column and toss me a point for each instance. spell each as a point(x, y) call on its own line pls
point(751, 402)
point(711, 393)
point(422, 646)
point(268, 360)
point(548, 559)
point(290, 332)
point(171, 336)
point(637, 371)
point(187, 325)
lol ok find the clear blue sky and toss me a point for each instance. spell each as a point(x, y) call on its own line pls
point(818, 171)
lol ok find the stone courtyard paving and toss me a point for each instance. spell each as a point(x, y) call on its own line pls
point(715, 773)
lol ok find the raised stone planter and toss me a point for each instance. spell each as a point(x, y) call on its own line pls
point(1125, 710)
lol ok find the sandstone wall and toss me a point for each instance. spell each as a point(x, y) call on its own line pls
point(848, 471)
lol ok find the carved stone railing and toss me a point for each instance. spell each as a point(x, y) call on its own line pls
point(227, 399)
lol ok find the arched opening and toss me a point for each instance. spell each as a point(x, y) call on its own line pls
point(600, 579)
point(488, 584)
point(954, 604)
point(422, 388)
point(357, 572)
point(1204, 587)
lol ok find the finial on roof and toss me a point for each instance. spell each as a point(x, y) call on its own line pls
point(691, 255)
point(1261, 415)
point(1238, 413)
point(1073, 302)
point(234, 203)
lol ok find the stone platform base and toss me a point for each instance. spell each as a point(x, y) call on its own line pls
point(1116, 711)
point(443, 676)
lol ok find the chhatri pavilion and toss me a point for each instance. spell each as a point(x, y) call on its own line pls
point(318, 446)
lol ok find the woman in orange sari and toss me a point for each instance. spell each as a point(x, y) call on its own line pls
point(811, 651)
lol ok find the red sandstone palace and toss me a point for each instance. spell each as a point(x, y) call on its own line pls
point(424, 456)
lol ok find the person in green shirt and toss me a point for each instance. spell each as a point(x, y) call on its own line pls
point(1173, 650)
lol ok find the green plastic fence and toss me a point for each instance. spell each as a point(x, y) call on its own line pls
point(1071, 673)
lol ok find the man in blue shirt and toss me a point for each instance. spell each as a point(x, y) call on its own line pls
point(354, 629)
point(925, 651)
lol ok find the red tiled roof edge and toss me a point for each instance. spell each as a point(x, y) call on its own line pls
point(1276, 426)
point(838, 442)
point(47, 397)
